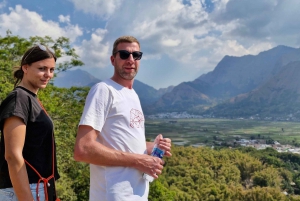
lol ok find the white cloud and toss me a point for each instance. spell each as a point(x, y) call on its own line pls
point(95, 52)
point(103, 8)
point(64, 19)
point(274, 21)
point(28, 23)
point(3, 4)
point(171, 42)
point(162, 20)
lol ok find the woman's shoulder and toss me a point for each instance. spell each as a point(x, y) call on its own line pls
point(21, 93)
point(9, 97)
point(9, 104)
point(17, 103)
point(18, 94)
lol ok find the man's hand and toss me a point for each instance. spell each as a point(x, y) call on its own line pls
point(150, 165)
point(153, 165)
point(165, 144)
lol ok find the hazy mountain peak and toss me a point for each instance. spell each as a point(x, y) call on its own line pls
point(76, 77)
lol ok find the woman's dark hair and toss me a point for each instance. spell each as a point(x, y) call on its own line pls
point(33, 54)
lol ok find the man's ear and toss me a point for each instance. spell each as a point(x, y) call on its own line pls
point(112, 59)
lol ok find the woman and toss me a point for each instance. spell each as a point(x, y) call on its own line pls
point(27, 149)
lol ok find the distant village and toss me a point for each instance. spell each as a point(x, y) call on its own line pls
point(257, 144)
point(175, 115)
point(185, 115)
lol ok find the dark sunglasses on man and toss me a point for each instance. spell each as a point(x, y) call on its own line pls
point(124, 54)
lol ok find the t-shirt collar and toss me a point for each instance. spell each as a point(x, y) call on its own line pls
point(30, 92)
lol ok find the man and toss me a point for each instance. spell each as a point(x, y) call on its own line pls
point(111, 133)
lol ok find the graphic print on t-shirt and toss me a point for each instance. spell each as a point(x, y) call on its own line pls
point(136, 119)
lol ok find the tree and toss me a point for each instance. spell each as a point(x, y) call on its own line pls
point(267, 177)
point(12, 49)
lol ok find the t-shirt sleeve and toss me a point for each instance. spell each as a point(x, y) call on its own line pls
point(97, 106)
point(16, 104)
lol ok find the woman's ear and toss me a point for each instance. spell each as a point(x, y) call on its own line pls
point(24, 68)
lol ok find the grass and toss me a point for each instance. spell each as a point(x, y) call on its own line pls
point(194, 131)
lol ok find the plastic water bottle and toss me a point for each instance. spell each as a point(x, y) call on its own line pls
point(157, 152)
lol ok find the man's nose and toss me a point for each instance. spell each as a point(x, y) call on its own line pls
point(130, 58)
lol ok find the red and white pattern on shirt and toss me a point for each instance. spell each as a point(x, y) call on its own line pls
point(136, 119)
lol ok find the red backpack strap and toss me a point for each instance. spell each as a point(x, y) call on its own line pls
point(44, 180)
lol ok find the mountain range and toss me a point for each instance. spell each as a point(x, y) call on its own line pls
point(267, 84)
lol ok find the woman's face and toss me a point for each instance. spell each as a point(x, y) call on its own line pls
point(38, 74)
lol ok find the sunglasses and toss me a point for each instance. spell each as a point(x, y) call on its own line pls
point(124, 54)
point(42, 47)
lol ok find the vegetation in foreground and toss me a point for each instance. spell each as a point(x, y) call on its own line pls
point(228, 174)
point(191, 174)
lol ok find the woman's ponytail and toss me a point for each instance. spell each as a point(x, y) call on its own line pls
point(18, 75)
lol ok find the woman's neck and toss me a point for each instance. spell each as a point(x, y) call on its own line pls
point(28, 87)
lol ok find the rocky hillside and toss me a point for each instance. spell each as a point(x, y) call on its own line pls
point(280, 95)
point(232, 77)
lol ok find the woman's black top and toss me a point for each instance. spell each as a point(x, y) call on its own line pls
point(38, 140)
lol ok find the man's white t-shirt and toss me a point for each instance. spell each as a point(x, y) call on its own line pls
point(116, 112)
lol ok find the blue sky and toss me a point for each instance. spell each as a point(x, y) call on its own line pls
point(181, 39)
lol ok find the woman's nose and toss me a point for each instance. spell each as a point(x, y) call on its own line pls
point(48, 73)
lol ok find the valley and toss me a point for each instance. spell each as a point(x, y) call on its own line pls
point(225, 132)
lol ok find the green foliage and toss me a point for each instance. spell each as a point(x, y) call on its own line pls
point(224, 174)
point(264, 194)
point(6, 84)
point(267, 177)
point(12, 49)
point(159, 191)
point(64, 107)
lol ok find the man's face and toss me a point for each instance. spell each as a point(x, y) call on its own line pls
point(126, 68)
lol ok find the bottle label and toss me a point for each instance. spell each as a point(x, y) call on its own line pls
point(157, 152)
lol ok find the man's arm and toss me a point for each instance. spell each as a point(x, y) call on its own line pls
point(88, 149)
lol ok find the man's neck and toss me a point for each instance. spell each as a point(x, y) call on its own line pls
point(125, 83)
